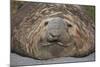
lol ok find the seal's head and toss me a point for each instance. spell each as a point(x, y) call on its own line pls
point(56, 32)
point(60, 37)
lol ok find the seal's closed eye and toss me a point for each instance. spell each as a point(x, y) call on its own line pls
point(46, 23)
point(69, 25)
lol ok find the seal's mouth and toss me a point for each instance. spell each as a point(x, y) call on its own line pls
point(55, 47)
point(56, 42)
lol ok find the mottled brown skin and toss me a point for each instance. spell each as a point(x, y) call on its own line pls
point(44, 31)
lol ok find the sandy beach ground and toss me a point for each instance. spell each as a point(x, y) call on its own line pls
point(17, 60)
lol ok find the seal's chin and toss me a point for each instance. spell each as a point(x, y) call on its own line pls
point(54, 49)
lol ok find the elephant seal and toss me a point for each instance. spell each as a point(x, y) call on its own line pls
point(48, 30)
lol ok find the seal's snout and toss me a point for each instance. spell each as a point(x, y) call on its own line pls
point(55, 27)
point(53, 36)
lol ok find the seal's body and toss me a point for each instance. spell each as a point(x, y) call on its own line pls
point(44, 31)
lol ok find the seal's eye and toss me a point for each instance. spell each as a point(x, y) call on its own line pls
point(46, 23)
point(69, 25)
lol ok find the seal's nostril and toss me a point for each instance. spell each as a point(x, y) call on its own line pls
point(53, 35)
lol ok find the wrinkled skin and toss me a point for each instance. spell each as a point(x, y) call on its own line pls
point(48, 33)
